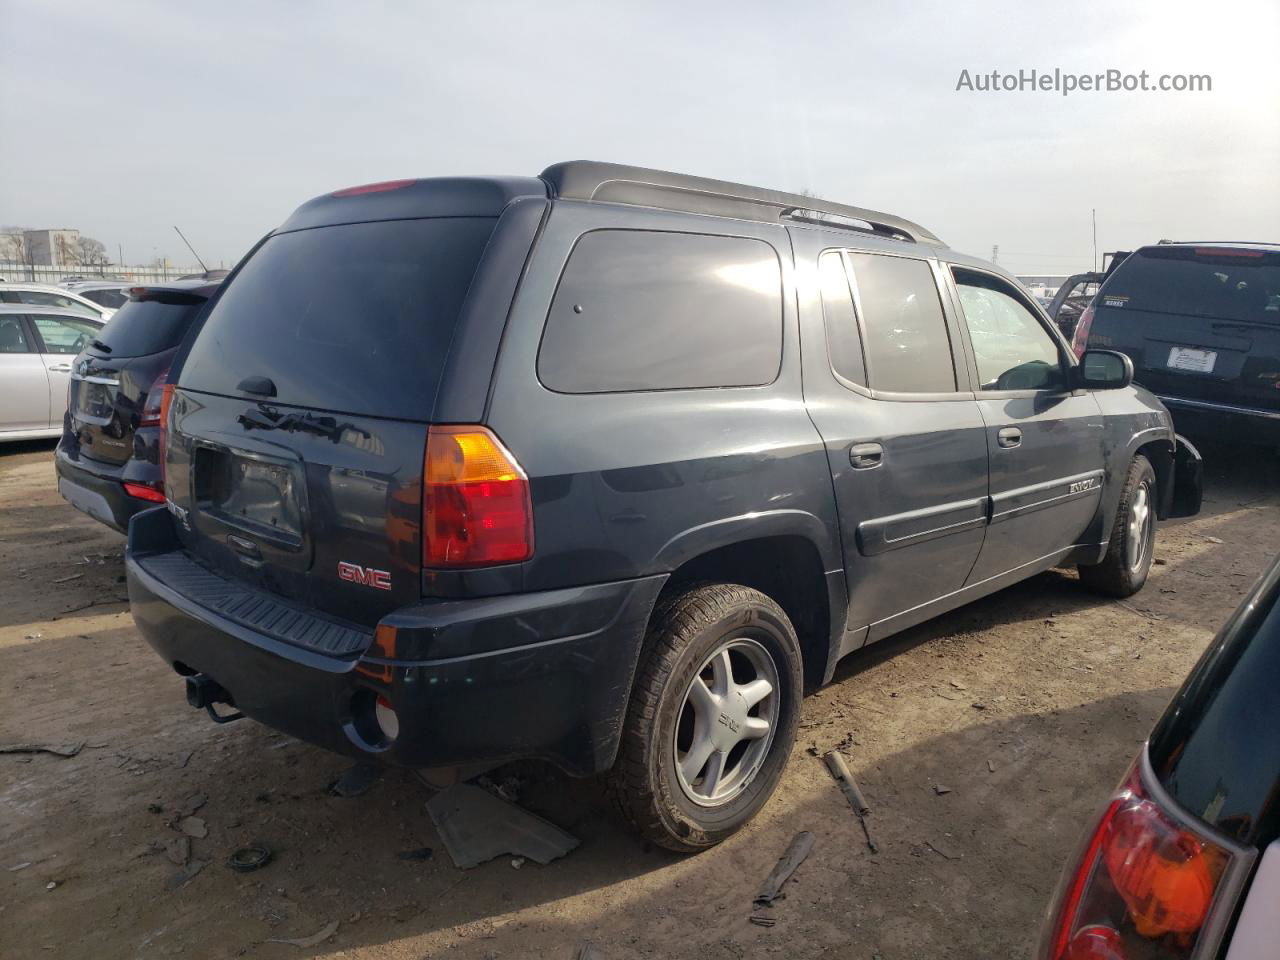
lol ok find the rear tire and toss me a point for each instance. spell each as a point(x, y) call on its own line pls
point(1124, 569)
point(721, 675)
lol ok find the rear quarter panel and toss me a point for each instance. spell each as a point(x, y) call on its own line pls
point(630, 484)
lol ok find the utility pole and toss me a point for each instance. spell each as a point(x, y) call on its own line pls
point(1095, 238)
point(120, 253)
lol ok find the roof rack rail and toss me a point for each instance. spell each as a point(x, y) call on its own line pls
point(1236, 243)
point(617, 183)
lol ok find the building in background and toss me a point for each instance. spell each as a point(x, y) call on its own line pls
point(52, 248)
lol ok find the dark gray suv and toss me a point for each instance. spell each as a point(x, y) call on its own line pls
point(608, 466)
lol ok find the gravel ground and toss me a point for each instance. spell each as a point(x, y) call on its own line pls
point(983, 741)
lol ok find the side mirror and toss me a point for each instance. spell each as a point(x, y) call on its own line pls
point(1104, 370)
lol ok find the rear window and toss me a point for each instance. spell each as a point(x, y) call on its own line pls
point(355, 318)
point(1239, 284)
point(111, 299)
point(646, 310)
point(143, 327)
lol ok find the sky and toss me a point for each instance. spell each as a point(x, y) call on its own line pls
point(123, 119)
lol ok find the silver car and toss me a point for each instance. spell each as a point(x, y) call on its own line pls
point(38, 345)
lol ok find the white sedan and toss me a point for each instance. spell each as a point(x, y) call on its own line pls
point(46, 295)
point(37, 347)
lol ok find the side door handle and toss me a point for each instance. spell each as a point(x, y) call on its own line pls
point(864, 456)
point(1009, 437)
point(60, 368)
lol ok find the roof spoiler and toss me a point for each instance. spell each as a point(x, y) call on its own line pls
point(617, 183)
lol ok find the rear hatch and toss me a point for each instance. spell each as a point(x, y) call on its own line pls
point(1199, 322)
point(300, 416)
point(112, 378)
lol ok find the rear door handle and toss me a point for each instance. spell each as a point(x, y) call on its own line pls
point(60, 368)
point(1009, 437)
point(864, 456)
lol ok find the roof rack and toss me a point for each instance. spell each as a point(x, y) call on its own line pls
point(1215, 243)
point(617, 183)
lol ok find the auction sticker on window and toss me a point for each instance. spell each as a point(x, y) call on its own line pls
point(1188, 358)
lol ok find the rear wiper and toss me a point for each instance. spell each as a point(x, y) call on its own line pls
point(99, 345)
point(265, 418)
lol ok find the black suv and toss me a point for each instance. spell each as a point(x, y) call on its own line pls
point(1201, 322)
point(109, 458)
point(608, 466)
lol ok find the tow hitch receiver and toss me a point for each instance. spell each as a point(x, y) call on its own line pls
point(204, 692)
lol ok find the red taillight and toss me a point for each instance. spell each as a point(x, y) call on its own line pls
point(144, 492)
point(476, 509)
point(150, 416)
point(382, 187)
point(1145, 881)
point(1080, 338)
point(1095, 943)
point(166, 401)
point(1228, 252)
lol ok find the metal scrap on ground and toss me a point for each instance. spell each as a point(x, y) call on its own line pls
point(477, 826)
point(57, 749)
point(357, 780)
point(315, 939)
point(844, 779)
point(796, 851)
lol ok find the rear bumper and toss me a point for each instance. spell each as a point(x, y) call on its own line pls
point(1229, 421)
point(97, 491)
point(531, 675)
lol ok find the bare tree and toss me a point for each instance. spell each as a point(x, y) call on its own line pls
point(92, 253)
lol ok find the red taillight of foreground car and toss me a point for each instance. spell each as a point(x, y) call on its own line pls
point(476, 509)
point(1143, 886)
point(1080, 337)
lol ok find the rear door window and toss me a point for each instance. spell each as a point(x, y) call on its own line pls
point(908, 349)
point(1012, 348)
point(353, 318)
point(844, 344)
point(143, 327)
point(650, 310)
point(1226, 284)
point(111, 299)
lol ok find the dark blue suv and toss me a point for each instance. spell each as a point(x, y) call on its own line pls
point(608, 466)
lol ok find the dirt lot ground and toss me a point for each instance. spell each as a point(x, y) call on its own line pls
point(1028, 706)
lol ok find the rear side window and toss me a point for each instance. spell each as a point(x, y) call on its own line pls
point(142, 327)
point(354, 318)
point(1236, 284)
point(642, 310)
point(907, 347)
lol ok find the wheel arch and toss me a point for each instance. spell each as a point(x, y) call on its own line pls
point(789, 568)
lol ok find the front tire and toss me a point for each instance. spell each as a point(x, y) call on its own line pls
point(712, 717)
point(1124, 569)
